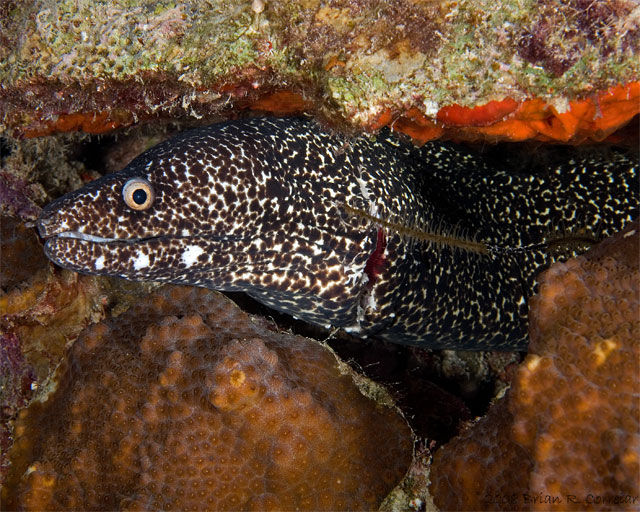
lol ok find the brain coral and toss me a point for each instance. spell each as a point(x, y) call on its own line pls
point(567, 435)
point(182, 402)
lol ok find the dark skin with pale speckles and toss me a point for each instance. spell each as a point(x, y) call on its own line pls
point(266, 206)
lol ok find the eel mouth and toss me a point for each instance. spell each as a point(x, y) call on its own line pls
point(76, 235)
point(83, 236)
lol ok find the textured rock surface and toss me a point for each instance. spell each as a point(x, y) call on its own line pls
point(184, 403)
point(21, 255)
point(44, 307)
point(103, 64)
point(568, 430)
point(41, 311)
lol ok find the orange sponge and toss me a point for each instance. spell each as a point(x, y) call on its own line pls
point(184, 403)
point(571, 421)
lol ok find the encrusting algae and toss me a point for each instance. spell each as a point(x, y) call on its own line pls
point(556, 71)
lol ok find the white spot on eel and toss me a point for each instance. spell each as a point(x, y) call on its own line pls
point(100, 263)
point(190, 255)
point(142, 261)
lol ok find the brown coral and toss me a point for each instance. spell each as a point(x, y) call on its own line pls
point(183, 403)
point(570, 423)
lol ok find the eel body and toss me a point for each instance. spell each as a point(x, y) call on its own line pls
point(428, 246)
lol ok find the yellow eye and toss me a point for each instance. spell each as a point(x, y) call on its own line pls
point(138, 194)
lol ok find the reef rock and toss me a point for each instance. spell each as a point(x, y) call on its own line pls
point(567, 434)
point(423, 67)
point(183, 402)
point(22, 258)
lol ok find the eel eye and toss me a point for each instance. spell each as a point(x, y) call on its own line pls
point(138, 194)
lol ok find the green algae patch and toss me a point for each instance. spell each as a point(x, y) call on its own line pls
point(85, 40)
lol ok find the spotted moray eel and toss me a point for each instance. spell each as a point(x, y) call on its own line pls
point(335, 231)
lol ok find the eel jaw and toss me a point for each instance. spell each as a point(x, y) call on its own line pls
point(84, 252)
point(89, 254)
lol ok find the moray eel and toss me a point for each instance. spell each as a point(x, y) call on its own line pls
point(430, 246)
